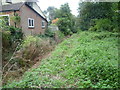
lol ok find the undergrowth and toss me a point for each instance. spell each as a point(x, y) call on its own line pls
point(86, 60)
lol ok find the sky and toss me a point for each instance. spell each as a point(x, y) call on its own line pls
point(44, 4)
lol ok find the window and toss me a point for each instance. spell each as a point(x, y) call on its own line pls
point(30, 23)
point(4, 19)
point(43, 24)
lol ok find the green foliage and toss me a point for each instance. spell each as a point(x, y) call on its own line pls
point(64, 26)
point(33, 47)
point(105, 11)
point(65, 10)
point(66, 22)
point(11, 38)
point(101, 25)
point(49, 33)
point(86, 60)
point(6, 37)
point(16, 33)
point(60, 35)
point(4, 20)
point(56, 35)
point(11, 35)
point(16, 18)
point(51, 11)
point(29, 40)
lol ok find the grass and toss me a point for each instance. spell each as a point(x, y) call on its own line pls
point(86, 60)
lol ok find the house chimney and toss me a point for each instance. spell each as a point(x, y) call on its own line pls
point(8, 1)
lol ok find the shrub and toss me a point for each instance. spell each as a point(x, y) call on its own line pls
point(11, 36)
point(6, 38)
point(34, 47)
point(101, 25)
point(64, 26)
point(58, 36)
point(49, 33)
point(54, 34)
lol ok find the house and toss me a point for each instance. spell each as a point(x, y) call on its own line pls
point(28, 15)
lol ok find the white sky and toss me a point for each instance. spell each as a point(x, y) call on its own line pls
point(44, 4)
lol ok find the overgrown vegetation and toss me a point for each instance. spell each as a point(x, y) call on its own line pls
point(95, 16)
point(11, 38)
point(66, 21)
point(31, 50)
point(98, 16)
point(55, 35)
point(20, 54)
point(89, 59)
point(86, 60)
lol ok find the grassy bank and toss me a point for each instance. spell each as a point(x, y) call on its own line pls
point(86, 60)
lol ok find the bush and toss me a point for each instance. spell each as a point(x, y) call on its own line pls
point(101, 25)
point(31, 50)
point(58, 36)
point(49, 33)
point(11, 36)
point(64, 26)
point(34, 47)
point(53, 33)
point(6, 38)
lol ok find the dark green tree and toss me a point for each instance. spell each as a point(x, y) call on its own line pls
point(66, 22)
point(88, 11)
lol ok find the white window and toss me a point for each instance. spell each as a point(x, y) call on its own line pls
point(5, 19)
point(43, 23)
point(30, 22)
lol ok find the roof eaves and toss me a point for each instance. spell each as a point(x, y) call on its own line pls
point(36, 12)
point(8, 10)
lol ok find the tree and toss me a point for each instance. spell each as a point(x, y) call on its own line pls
point(66, 22)
point(88, 11)
point(51, 12)
point(65, 10)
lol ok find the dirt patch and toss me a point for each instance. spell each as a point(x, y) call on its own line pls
point(38, 62)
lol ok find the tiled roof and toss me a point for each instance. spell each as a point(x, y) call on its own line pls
point(11, 7)
point(17, 6)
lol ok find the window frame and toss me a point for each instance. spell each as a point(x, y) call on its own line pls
point(31, 23)
point(43, 24)
point(6, 15)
